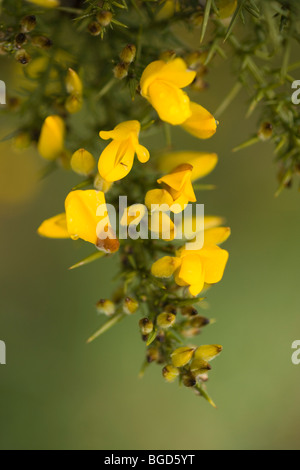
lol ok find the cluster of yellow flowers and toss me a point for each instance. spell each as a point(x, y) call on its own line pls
point(162, 85)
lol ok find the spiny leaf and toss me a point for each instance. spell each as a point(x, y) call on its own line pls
point(236, 14)
point(205, 395)
point(152, 337)
point(107, 326)
point(205, 18)
point(89, 259)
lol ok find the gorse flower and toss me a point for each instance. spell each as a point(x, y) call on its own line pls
point(195, 268)
point(178, 184)
point(74, 88)
point(161, 85)
point(117, 158)
point(202, 163)
point(51, 141)
point(86, 218)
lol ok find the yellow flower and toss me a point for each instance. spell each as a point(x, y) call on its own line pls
point(56, 227)
point(133, 215)
point(168, 10)
point(178, 184)
point(86, 218)
point(117, 158)
point(170, 373)
point(194, 268)
point(161, 85)
point(51, 141)
point(46, 3)
point(226, 7)
point(83, 162)
point(202, 163)
point(201, 123)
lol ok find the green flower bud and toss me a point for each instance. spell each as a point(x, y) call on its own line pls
point(41, 41)
point(199, 322)
point(170, 373)
point(166, 320)
point(95, 28)
point(189, 380)
point(182, 356)
point(128, 54)
point(153, 355)
point(199, 367)
point(265, 131)
point(121, 71)
point(189, 311)
point(104, 17)
point(130, 305)
point(20, 39)
point(28, 23)
point(146, 326)
point(23, 57)
point(106, 307)
point(73, 104)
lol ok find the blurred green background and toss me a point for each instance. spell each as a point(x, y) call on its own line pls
point(58, 393)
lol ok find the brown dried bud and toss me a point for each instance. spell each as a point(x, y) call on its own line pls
point(41, 41)
point(128, 54)
point(23, 57)
point(28, 23)
point(121, 71)
point(94, 28)
point(104, 17)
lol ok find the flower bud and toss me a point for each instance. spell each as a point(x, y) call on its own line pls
point(121, 71)
point(22, 141)
point(104, 18)
point(182, 356)
point(166, 56)
point(23, 57)
point(199, 322)
point(146, 326)
point(208, 352)
point(166, 320)
point(73, 83)
point(189, 311)
point(51, 141)
point(20, 39)
point(73, 104)
point(106, 307)
point(128, 54)
point(226, 8)
point(170, 373)
point(152, 355)
point(28, 23)
point(101, 184)
point(94, 28)
point(83, 162)
point(199, 367)
point(130, 305)
point(41, 41)
point(265, 131)
point(188, 380)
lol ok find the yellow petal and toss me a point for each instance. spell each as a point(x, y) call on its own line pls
point(83, 162)
point(171, 103)
point(178, 177)
point(191, 270)
point(174, 72)
point(201, 123)
point(56, 227)
point(81, 211)
point(158, 197)
point(165, 266)
point(116, 160)
point(51, 141)
point(214, 260)
point(195, 289)
point(46, 3)
point(122, 131)
point(142, 153)
point(216, 236)
point(202, 163)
